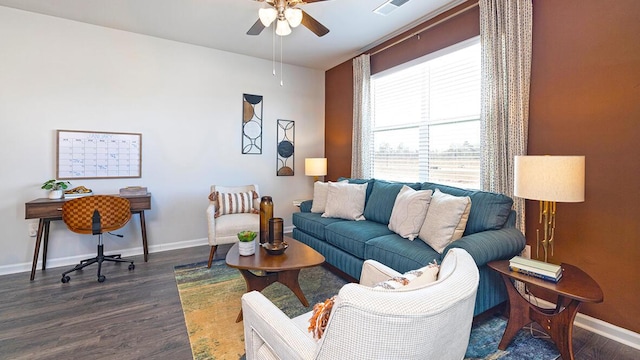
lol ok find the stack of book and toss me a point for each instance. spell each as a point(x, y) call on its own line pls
point(539, 269)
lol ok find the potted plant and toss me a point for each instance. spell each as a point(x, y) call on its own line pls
point(247, 244)
point(56, 188)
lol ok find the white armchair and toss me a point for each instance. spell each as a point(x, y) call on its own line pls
point(431, 321)
point(225, 228)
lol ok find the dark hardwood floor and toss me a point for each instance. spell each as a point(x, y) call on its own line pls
point(135, 315)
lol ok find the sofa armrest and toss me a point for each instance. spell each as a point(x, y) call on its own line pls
point(374, 272)
point(211, 223)
point(306, 205)
point(266, 325)
point(490, 245)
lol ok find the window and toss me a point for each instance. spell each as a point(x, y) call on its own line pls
point(426, 119)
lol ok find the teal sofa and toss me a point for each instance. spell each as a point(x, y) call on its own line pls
point(490, 235)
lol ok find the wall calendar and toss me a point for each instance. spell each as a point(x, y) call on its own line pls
point(98, 155)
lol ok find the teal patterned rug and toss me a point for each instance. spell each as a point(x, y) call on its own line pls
point(211, 301)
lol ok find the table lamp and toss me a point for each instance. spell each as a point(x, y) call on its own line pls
point(315, 167)
point(549, 179)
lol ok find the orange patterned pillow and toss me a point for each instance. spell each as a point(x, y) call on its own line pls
point(233, 203)
point(320, 317)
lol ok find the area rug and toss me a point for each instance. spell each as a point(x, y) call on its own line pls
point(211, 302)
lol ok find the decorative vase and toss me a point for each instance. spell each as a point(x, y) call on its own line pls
point(276, 231)
point(247, 248)
point(56, 194)
point(266, 213)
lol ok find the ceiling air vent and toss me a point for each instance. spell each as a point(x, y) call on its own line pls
point(389, 6)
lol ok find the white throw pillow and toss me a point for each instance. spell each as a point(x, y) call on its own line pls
point(320, 191)
point(412, 279)
point(345, 201)
point(409, 211)
point(446, 220)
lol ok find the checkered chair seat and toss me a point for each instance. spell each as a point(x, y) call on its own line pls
point(115, 212)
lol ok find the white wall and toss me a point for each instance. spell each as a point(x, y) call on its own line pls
point(185, 100)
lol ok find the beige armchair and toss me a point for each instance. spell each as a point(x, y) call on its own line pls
point(224, 229)
point(431, 321)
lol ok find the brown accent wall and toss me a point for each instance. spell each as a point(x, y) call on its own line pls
point(585, 100)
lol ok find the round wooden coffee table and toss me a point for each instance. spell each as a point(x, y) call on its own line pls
point(574, 288)
point(261, 269)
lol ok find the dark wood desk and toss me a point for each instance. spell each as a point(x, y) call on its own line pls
point(48, 210)
point(574, 288)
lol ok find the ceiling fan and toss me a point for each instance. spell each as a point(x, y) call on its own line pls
point(287, 15)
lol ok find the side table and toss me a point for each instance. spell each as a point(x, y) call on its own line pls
point(573, 289)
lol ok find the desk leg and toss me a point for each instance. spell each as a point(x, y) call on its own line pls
point(143, 227)
point(36, 250)
point(47, 223)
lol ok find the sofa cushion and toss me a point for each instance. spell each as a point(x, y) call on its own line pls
point(446, 220)
point(345, 201)
point(409, 211)
point(351, 236)
point(400, 254)
point(490, 211)
point(312, 223)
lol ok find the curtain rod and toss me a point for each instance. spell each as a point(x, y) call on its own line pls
point(425, 28)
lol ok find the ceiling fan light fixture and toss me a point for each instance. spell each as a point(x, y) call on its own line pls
point(293, 16)
point(283, 28)
point(267, 16)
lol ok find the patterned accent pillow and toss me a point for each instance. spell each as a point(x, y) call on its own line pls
point(233, 203)
point(320, 317)
point(409, 211)
point(412, 279)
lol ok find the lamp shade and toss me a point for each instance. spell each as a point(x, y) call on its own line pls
point(549, 178)
point(293, 16)
point(315, 166)
point(267, 15)
point(283, 28)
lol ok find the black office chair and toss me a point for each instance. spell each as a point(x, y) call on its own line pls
point(95, 215)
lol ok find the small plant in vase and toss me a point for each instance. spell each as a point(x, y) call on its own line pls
point(56, 188)
point(247, 245)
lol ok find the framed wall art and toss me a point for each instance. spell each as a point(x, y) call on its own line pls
point(286, 147)
point(251, 124)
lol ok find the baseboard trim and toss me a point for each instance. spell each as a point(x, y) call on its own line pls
point(72, 260)
point(610, 331)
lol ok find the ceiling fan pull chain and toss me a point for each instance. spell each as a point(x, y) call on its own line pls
point(273, 50)
point(281, 74)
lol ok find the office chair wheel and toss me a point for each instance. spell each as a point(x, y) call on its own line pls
point(65, 279)
point(131, 266)
point(101, 278)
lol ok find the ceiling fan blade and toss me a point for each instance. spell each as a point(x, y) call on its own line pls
point(314, 25)
point(312, 1)
point(256, 29)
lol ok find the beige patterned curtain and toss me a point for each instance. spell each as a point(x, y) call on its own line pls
point(361, 144)
point(505, 35)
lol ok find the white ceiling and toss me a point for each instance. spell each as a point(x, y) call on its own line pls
point(222, 24)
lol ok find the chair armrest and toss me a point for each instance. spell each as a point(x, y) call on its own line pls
point(490, 245)
point(265, 324)
point(211, 223)
point(374, 272)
